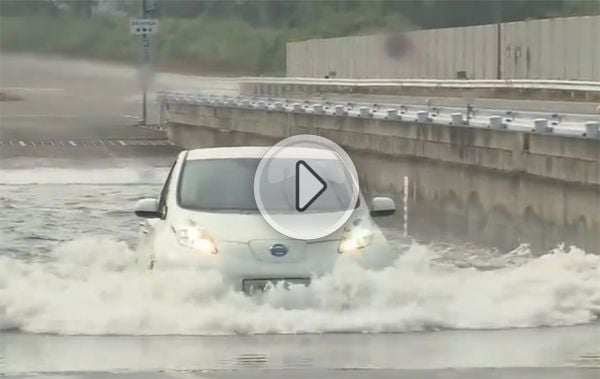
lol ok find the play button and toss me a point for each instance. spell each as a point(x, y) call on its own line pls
point(306, 187)
point(309, 186)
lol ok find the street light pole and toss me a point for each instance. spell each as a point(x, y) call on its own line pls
point(144, 27)
point(146, 13)
point(145, 64)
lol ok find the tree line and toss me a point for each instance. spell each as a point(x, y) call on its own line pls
point(241, 36)
point(342, 16)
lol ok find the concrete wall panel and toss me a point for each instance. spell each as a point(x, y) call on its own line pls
point(573, 42)
point(595, 47)
point(559, 48)
point(447, 61)
point(545, 49)
point(586, 67)
point(522, 49)
point(533, 50)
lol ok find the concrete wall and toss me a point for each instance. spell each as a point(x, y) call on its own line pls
point(558, 48)
point(485, 185)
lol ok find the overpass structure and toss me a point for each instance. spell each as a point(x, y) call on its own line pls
point(482, 178)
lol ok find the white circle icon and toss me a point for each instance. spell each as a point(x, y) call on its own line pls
point(306, 187)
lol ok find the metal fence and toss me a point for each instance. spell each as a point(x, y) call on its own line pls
point(556, 48)
point(566, 125)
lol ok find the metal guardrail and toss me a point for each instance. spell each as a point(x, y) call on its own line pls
point(471, 117)
point(563, 85)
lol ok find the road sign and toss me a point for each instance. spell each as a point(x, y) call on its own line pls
point(141, 26)
point(145, 26)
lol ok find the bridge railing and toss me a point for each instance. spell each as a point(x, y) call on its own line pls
point(506, 119)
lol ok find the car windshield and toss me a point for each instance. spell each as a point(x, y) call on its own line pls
point(227, 185)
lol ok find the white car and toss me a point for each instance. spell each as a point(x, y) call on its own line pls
point(207, 217)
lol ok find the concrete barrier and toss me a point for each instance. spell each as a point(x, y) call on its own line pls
point(484, 184)
point(553, 48)
point(555, 90)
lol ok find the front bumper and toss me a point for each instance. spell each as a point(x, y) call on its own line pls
point(238, 264)
point(238, 260)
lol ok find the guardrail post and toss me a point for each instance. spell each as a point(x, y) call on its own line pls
point(495, 122)
point(592, 129)
point(318, 108)
point(365, 112)
point(540, 125)
point(339, 110)
point(456, 119)
point(392, 114)
point(422, 116)
point(162, 111)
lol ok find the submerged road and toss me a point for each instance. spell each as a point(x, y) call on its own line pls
point(73, 304)
point(544, 353)
point(76, 109)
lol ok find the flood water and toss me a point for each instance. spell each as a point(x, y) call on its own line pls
point(73, 300)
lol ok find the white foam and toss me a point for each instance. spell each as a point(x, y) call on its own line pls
point(92, 286)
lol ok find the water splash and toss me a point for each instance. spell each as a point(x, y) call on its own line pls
point(93, 286)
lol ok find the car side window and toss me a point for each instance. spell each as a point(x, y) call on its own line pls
point(162, 202)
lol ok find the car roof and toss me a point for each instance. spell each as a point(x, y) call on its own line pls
point(258, 152)
point(227, 152)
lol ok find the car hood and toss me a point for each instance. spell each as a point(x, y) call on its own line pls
point(236, 227)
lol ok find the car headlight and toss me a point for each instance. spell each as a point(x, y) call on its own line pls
point(196, 238)
point(356, 236)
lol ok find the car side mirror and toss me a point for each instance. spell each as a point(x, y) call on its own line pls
point(382, 206)
point(147, 208)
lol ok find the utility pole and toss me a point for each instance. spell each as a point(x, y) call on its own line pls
point(144, 27)
point(497, 10)
point(146, 13)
